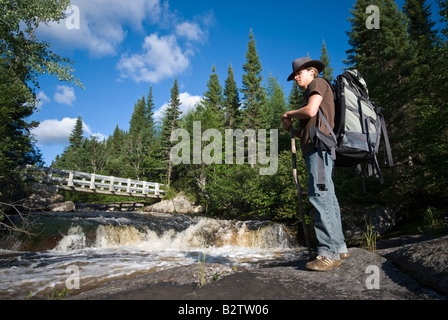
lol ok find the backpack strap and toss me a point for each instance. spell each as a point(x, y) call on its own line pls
point(320, 138)
point(330, 143)
point(386, 141)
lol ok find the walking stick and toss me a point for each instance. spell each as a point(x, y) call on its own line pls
point(299, 193)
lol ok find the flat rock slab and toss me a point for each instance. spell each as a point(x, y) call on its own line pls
point(426, 261)
point(364, 276)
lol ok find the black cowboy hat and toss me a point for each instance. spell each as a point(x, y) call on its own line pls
point(304, 63)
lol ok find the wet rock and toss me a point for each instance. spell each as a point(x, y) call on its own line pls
point(41, 200)
point(165, 284)
point(179, 204)
point(41, 197)
point(364, 276)
point(66, 206)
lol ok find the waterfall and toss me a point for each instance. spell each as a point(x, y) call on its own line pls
point(104, 246)
point(199, 233)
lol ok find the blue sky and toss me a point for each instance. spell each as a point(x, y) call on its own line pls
point(123, 47)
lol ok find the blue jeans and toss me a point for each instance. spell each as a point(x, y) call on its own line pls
point(327, 221)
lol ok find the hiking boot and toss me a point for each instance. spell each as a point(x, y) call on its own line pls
point(344, 255)
point(322, 263)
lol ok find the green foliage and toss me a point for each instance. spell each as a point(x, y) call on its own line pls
point(253, 93)
point(131, 154)
point(269, 196)
point(404, 63)
point(275, 106)
point(59, 295)
point(22, 59)
point(212, 112)
point(231, 101)
point(327, 73)
point(369, 238)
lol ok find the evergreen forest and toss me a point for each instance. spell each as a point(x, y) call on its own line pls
point(404, 62)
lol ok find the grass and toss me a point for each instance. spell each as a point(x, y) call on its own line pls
point(56, 295)
point(201, 273)
point(369, 238)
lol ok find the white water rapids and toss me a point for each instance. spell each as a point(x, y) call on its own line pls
point(106, 246)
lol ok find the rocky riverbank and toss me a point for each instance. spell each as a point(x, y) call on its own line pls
point(414, 271)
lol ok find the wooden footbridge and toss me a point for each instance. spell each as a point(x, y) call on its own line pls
point(75, 181)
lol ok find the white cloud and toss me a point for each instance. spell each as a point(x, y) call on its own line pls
point(53, 131)
point(162, 58)
point(191, 31)
point(42, 99)
point(188, 102)
point(102, 27)
point(101, 24)
point(65, 95)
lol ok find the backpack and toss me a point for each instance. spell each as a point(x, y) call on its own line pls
point(358, 127)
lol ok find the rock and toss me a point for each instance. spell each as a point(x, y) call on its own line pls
point(355, 221)
point(41, 200)
point(166, 283)
point(179, 204)
point(426, 261)
point(364, 276)
point(66, 206)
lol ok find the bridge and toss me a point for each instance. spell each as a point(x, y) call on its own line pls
point(75, 181)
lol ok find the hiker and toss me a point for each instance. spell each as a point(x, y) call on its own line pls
point(327, 222)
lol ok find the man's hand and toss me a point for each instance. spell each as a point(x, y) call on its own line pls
point(287, 121)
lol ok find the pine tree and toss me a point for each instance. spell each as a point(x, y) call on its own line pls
point(231, 100)
point(384, 56)
point(213, 114)
point(96, 160)
point(424, 40)
point(443, 13)
point(421, 27)
point(253, 92)
point(327, 73)
point(169, 124)
point(388, 60)
point(150, 142)
point(138, 119)
point(115, 153)
point(430, 95)
point(442, 53)
point(73, 157)
point(150, 123)
point(76, 137)
point(276, 105)
point(295, 98)
point(171, 116)
point(135, 146)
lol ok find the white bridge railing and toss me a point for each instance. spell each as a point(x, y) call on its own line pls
point(76, 181)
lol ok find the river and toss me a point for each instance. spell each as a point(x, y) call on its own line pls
point(97, 247)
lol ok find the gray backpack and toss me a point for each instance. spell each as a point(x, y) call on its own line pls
point(359, 126)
